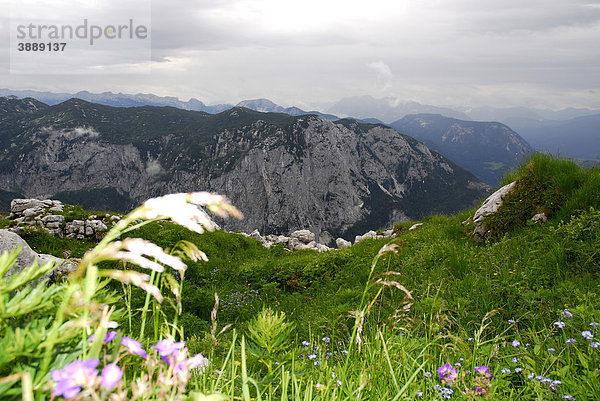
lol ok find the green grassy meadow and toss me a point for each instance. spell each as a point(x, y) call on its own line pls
point(430, 314)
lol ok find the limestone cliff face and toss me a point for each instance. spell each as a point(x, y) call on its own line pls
point(284, 173)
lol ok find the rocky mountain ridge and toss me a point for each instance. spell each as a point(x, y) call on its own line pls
point(283, 172)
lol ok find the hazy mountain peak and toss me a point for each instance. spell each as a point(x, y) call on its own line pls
point(387, 109)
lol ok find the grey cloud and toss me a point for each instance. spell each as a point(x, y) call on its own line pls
point(529, 16)
point(441, 50)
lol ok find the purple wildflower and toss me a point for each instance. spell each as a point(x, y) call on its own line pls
point(571, 341)
point(167, 347)
point(198, 361)
point(73, 377)
point(134, 346)
point(111, 335)
point(111, 375)
point(483, 370)
point(560, 324)
point(594, 344)
point(566, 313)
point(447, 373)
point(516, 343)
point(587, 334)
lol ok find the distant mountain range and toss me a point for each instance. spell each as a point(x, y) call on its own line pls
point(572, 132)
point(283, 172)
point(487, 149)
point(387, 109)
point(117, 99)
point(142, 99)
point(267, 106)
point(577, 138)
point(512, 115)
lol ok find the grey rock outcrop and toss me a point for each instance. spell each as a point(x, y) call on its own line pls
point(9, 241)
point(489, 207)
point(415, 226)
point(304, 236)
point(298, 240)
point(540, 218)
point(388, 233)
point(342, 243)
point(369, 235)
point(40, 213)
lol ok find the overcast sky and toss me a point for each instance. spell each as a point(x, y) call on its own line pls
point(537, 53)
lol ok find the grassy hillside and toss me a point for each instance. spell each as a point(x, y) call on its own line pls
point(523, 305)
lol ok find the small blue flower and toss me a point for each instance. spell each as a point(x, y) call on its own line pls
point(566, 313)
point(419, 393)
point(511, 321)
point(518, 370)
point(427, 374)
point(531, 375)
point(312, 356)
point(516, 343)
point(594, 344)
point(568, 397)
point(560, 324)
point(506, 371)
point(305, 343)
point(326, 340)
point(594, 324)
point(571, 341)
point(587, 334)
point(338, 383)
point(515, 360)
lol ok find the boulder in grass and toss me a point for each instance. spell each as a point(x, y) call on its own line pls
point(415, 226)
point(10, 240)
point(342, 243)
point(369, 235)
point(489, 207)
point(540, 218)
